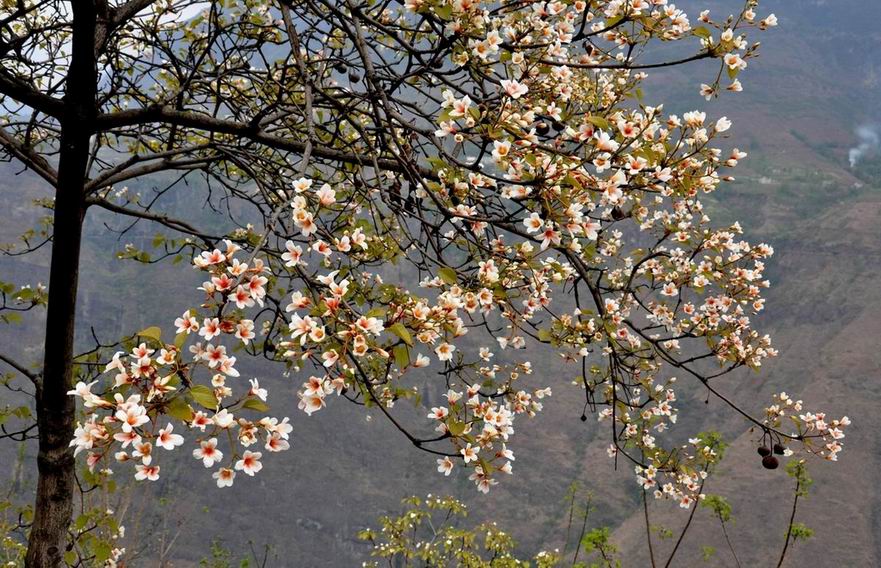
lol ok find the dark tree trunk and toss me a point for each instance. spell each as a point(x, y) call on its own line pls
point(56, 410)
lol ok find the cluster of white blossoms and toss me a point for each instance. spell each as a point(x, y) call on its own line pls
point(558, 209)
point(155, 380)
point(326, 328)
point(607, 197)
point(820, 437)
point(155, 383)
point(495, 423)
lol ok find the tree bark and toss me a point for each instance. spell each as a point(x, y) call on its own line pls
point(56, 410)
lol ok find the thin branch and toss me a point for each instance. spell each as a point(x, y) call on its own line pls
point(791, 521)
point(648, 526)
point(34, 377)
point(684, 529)
point(630, 66)
point(162, 219)
point(730, 545)
point(583, 530)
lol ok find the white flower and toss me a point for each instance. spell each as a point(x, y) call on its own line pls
point(723, 124)
point(224, 419)
point(208, 452)
point(224, 477)
point(514, 89)
point(469, 453)
point(165, 439)
point(260, 393)
point(250, 462)
point(149, 472)
point(445, 466)
point(445, 351)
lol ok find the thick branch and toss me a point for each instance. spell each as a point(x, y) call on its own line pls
point(20, 91)
point(131, 173)
point(28, 157)
point(115, 18)
point(190, 119)
point(123, 13)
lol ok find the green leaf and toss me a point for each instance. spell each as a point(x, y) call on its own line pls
point(101, 550)
point(573, 181)
point(708, 552)
point(402, 332)
point(22, 412)
point(255, 404)
point(178, 408)
point(180, 339)
point(12, 317)
point(599, 122)
point(402, 356)
point(448, 275)
point(445, 12)
point(204, 396)
point(152, 332)
point(701, 31)
point(456, 428)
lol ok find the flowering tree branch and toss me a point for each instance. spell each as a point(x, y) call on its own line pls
point(534, 202)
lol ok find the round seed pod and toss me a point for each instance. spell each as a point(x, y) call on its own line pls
point(542, 128)
point(770, 462)
point(764, 451)
point(354, 77)
point(779, 449)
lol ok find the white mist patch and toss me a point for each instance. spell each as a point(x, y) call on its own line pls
point(869, 136)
